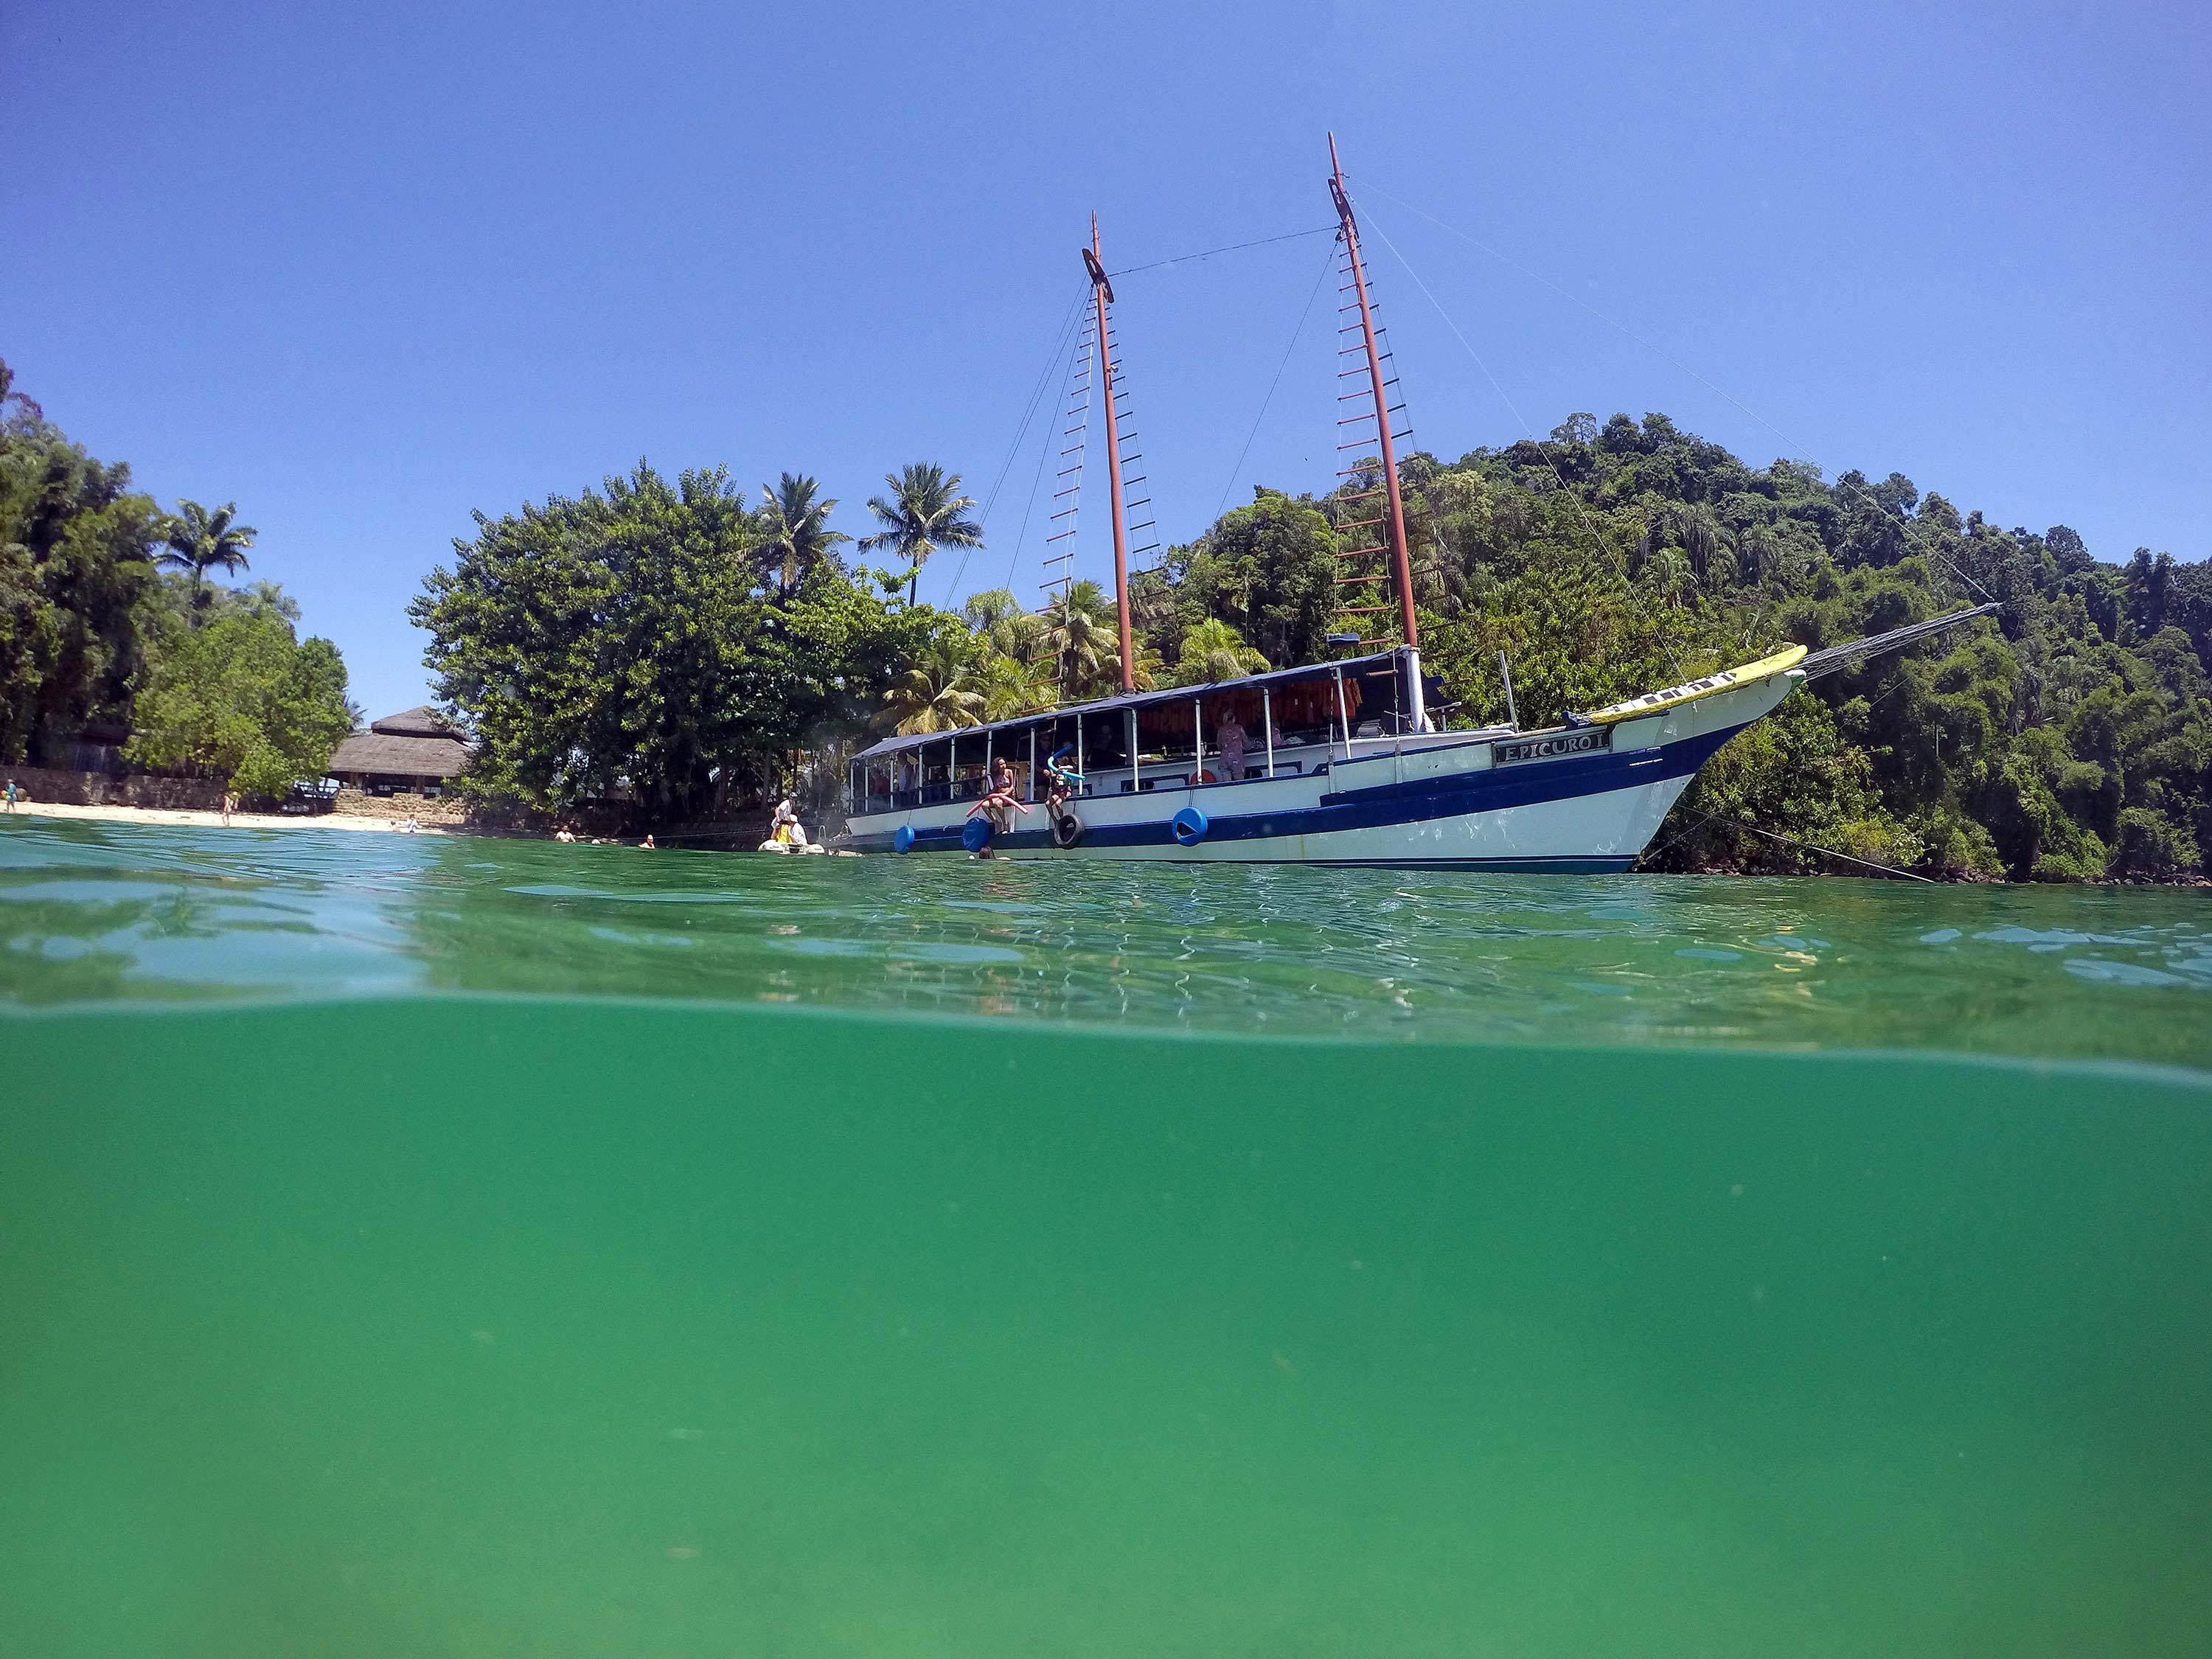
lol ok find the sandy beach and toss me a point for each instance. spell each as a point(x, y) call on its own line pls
point(179, 818)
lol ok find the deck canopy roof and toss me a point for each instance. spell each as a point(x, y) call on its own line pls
point(1376, 662)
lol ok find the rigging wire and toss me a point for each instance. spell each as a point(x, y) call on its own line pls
point(1574, 498)
point(1797, 449)
point(1029, 413)
point(1044, 453)
point(1297, 334)
point(1234, 247)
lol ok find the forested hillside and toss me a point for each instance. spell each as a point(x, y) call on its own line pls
point(2068, 737)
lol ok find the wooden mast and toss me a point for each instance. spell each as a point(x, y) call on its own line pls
point(1401, 569)
point(1102, 294)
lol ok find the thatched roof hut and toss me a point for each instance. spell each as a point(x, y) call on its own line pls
point(411, 752)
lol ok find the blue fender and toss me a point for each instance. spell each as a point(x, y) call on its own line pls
point(1189, 826)
point(902, 838)
point(977, 834)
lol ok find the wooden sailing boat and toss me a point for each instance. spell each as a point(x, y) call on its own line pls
point(1337, 762)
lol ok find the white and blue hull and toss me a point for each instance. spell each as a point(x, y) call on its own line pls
point(1586, 799)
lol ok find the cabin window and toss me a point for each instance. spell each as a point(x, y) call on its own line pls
point(1105, 741)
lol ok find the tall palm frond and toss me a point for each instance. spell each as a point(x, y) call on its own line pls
point(796, 539)
point(924, 512)
point(1081, 638)
point(198, 541)
point(936, 694)
point(1213, 651)
point(1013, 686)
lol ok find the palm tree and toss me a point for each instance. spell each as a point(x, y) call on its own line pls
point(199, 540)
point(1081, 638)
point(797, 540)
point(1213, 651)
point(1011, 686)
point(933, 696)
point(996, 618)
point(924, 513)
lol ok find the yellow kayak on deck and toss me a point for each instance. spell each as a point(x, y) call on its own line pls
point(1674, 696)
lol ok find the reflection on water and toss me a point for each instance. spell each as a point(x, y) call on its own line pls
point(96, 912)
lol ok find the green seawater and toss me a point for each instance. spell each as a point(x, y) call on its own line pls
point(476, 1247)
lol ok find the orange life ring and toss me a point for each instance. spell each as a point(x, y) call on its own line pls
point(1200, 776)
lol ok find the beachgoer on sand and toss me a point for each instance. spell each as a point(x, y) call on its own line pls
point(229, 805)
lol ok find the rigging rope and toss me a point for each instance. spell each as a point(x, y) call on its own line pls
point(1651, 853)
point(1797, 449)
point(1037, 483)
point(1234, 247)
point(1297, 334)
point(1029, 413)
point(1574, 498)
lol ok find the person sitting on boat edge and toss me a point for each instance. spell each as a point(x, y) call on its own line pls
point(1002, 801)
point(1061, 783)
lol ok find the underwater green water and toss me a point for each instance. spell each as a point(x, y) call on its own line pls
point(483, 1248)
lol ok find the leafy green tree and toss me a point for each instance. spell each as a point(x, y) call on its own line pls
point(199, 541)
point(924, 512)
point(616, 641)
point(242, 697)
point(1268, 570)
point(78, 594)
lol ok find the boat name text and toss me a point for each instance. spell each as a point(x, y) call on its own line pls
point(1584, 740)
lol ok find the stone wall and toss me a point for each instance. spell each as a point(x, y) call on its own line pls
point(443, 811)
point(98, 789)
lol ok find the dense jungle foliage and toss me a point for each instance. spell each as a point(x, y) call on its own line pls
point(112, 634)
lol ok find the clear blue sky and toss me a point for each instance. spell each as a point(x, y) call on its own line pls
point(363, 270)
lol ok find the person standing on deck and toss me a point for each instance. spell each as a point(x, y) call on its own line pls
point(1231, 740)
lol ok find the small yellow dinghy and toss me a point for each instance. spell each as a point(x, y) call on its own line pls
point(1674, 695)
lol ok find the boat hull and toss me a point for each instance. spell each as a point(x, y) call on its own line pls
point(1582, 800)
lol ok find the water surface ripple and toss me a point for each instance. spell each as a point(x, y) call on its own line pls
point(98, 913)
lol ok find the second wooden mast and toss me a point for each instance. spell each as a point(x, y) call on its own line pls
point(1102, 295)
point(1402, 567)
